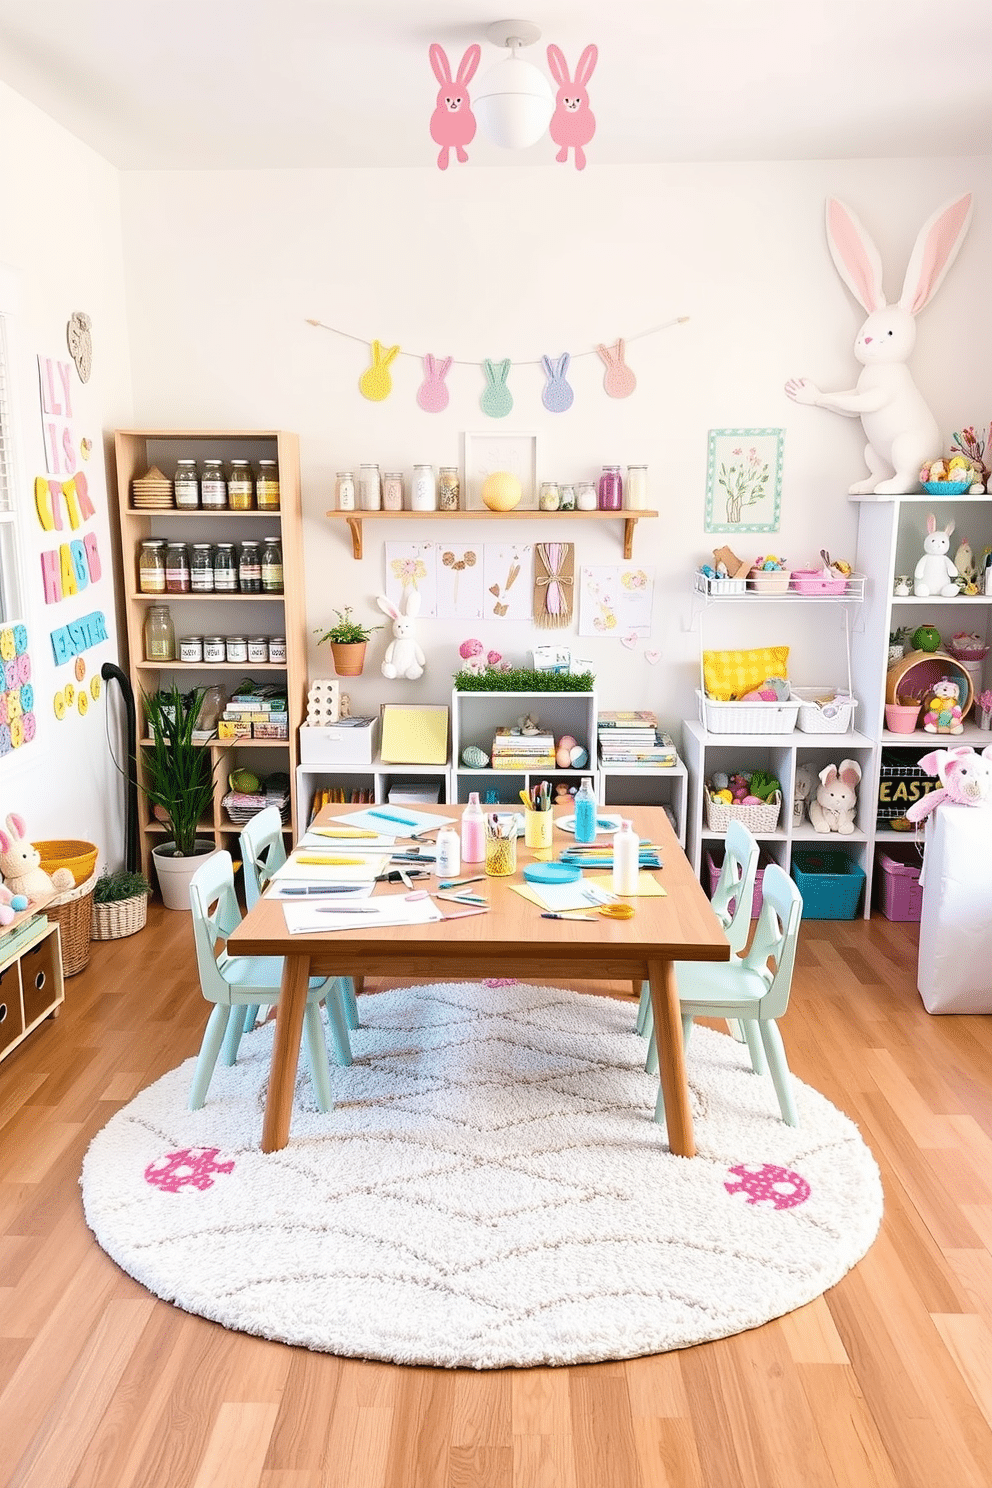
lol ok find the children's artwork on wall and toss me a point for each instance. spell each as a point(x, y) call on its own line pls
point(461, 590)
point(453, 122)
point(432, 395)
point(573, 122)
point(55, 390)
point(554, 581)
point(496, 400)
point(618, 380)
point(744, 480)
point(508, 576)
point(375, 382)
point(17, 712)
point(616, 599)
point(412, 567)
point(80, 342)
point(557, 396)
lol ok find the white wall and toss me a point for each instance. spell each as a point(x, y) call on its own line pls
point(223, 271)
point(60, 244)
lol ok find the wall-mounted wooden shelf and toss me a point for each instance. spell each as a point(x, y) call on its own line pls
point(629, 519)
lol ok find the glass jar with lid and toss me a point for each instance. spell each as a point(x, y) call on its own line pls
point(423, 491)
point(250, 568)
point(369, 488)
point(201, 569)
point(566, 497)
point(151, 566)
point(637, 487)
point(610, 495)
point(258, 649)
point(160, 636)
point(449, 491)
point(392, 490)
point(585, 496)
point(225, 569)
point(186, 485)
point(236, 649)
point(240, 486)
point(267, 486)
point(177, 576)
point(550, 497)
point(213, 486)
point(214, 648)
point(191, 649)
point(344, 491)
point(272, 566)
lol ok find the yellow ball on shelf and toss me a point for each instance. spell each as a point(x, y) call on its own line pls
point(501, 491)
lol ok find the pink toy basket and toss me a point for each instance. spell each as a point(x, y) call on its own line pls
point(813, 581)
point(899, 894)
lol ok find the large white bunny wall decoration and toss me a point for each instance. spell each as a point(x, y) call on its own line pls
point(404, 658)
point(901, 431)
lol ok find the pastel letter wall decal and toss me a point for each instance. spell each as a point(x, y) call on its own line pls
point(557, 396)
point(432, 395)
point(375, 382)
point(496, 400)
point(618, 380)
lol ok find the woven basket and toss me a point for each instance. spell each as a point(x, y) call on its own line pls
point(763, 818)
point(718, 717)
point(119, 917)
point(72, 910)
point(812, 718)
point(79, 857)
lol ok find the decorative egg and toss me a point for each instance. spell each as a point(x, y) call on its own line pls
point(501, 491)
point(752, 801)
point(579, 757)
point(474, 757)
point(563, 756)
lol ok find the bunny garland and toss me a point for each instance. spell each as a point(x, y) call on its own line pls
point(618, 380)
point(557, 396)
point(901, 431)
point(453, 122)
point(496, 400)
point(375, 383)
point(573, 122)
point(432, 395)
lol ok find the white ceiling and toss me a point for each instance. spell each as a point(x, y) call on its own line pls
point(244, 84)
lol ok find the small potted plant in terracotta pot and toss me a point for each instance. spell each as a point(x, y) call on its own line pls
point(348, 639)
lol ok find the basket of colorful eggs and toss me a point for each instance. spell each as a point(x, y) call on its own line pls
point(754, 800)
point(951, 476)
point(769, 575)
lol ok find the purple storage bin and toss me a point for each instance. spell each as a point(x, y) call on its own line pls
point(899, 894)
point(714, 866)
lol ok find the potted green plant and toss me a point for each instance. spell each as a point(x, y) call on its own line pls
point(348, 639)
point(177, 776)
point(120, 904)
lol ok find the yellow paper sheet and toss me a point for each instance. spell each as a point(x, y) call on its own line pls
point(414, 736)
point(648, 886)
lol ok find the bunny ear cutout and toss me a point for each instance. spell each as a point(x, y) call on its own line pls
point(468, 65)
point(558, 66)
point(587, 64)
point(935, 250)
point(441, 65)
point(855, 256)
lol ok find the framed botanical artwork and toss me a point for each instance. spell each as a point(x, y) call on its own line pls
point(488, 452)
point(744, 480)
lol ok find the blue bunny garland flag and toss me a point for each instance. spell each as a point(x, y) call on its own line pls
point(557, 395)
point(496, 400)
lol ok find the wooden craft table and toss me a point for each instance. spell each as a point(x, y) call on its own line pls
point(511, 940)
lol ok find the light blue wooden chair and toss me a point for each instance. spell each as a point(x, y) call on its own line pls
point(235, 983)
point(754, 988)
point(731, 901)
point(263, 850)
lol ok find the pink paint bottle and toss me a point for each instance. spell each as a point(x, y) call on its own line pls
point(473, 831)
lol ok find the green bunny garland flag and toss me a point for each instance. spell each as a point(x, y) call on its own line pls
point(496, 400)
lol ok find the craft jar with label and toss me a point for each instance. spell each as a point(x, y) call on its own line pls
point(225, 569)
point(277, 649)
point(240, 486)
point(160, 636)
point(369, 488)
point(236, 649)
point(201, 569)
point(249, 569)
point(177, 576)
point(267, 486)
point(637, 487)
point(258, 649)
point(213, 486)
point(448, 489)
point(423, 489)
point(214, 648)
point(186, 485)
point(151, 566)
point(344, 491)
point(272, 567)
point(190, 649)
point(610, 489)
point(392, 490)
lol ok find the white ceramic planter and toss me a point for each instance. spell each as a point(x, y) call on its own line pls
point(175, 873)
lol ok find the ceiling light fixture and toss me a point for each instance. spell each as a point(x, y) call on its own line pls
point(513, 103)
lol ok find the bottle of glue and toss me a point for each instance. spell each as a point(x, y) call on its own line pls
point(626, 859)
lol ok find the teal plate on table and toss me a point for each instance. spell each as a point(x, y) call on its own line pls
point(551, 873)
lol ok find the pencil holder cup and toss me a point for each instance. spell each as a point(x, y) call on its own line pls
point(501, 856)
point(537, 828)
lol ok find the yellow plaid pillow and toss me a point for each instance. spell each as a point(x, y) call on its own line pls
point(730, 674)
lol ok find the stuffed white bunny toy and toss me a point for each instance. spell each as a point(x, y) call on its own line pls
point(935, 573)
point(836, 798)
point(404, 657)
point(805, 781)
point(901, 431)
point(20, 864)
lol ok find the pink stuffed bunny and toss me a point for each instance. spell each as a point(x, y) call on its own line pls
point(453, 122)
point(836, 798)
point(965, 780)
point(573, 123)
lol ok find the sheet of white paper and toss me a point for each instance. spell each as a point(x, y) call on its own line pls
point(402, 820)
point(346, 847)
point(305, 919)
point(569, 896)
point(341, 871)
point(290, 888)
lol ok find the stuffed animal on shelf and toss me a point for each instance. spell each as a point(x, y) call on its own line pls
point(805, 783)
point(935, 573)
point(404, 658)
point(900, 430)
point(20, 864)
point(943, 708)
point(473, 659)
point(965, 780)
point(836, 798)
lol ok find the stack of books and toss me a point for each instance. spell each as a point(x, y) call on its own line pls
point(255, 710)
point(631, 739)
point(516, 751)
point(242, 806)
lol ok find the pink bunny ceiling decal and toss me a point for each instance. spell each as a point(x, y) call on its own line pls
point(573, 123)
point(453, 122)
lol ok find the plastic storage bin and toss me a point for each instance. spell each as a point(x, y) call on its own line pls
point(900, 896)
point(831, 883)
point(714, 865)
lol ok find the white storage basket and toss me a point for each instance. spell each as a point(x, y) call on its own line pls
point(835, 718)
point(763, 818)
point(747, 718)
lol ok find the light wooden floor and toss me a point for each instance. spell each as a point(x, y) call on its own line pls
point(887, 1380)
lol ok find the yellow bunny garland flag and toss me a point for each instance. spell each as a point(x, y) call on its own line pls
point(375, 382)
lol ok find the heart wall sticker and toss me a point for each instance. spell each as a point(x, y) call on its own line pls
point(653, 657)
point(630, 640)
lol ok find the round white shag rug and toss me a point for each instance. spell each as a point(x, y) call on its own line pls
point(490, 1190)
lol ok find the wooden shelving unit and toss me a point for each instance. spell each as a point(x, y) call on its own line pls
point(356, 519)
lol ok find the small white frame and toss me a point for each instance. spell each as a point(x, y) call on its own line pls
point(491, 450)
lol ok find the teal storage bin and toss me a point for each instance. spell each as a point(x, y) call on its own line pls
point(831, 883)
